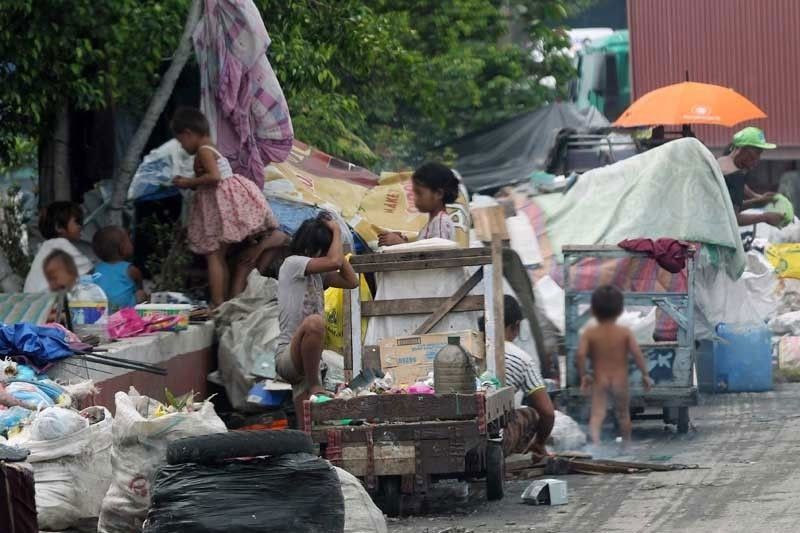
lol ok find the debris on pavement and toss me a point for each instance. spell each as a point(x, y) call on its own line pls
point(546, 492)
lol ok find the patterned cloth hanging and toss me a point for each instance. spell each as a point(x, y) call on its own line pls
point(240, 93)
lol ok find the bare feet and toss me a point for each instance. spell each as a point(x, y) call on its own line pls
point(538, 450)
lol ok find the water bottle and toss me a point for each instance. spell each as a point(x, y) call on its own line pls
point(88, 309)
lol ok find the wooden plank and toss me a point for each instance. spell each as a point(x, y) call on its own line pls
point(398, 432)
point(489, 221)
point(398, 407)
point(418, 306)
point(347, 333)
point(497, 306)
point(499, 403)
point(398, 257)
point(390, 459)
point(443, 456)
point(518, 278)
point(589, 248)
point(440, 312)
point(355, 328)
point(425, 264)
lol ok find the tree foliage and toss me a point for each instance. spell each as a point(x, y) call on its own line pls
point(374, 81)
point(379, 81)
point(88, 54)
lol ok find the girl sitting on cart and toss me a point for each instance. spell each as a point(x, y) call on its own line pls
point(435, 186)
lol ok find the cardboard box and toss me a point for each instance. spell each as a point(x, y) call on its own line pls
point(410, 358)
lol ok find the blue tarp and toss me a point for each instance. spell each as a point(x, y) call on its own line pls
point(291, 214)
point(41, 345)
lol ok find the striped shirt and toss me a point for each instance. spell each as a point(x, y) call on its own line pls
point(522, 372)
point(440, 226)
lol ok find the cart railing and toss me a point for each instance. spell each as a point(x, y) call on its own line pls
point(671, 361)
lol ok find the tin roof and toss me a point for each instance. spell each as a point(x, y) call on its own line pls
point(751, 47)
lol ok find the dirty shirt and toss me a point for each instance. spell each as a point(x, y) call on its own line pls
point(299, 296)
point(440, 226)
point(734, 181)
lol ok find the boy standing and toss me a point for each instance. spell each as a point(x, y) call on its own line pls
point(607, 346)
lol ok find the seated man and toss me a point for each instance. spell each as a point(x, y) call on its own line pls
point(741, 157)
point(529, 427)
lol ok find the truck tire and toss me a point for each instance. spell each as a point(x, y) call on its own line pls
point(208, 449)
point(683, 420)
point(495, 470)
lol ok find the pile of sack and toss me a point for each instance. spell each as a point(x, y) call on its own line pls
point(70, 452)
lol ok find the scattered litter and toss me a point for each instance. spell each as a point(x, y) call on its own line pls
point(546, 492)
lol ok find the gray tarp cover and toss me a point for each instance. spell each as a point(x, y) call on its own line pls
point(510, 151)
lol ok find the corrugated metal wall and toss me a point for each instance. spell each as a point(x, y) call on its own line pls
point(752, 46)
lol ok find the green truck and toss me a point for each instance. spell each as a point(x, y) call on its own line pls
point(603, 75)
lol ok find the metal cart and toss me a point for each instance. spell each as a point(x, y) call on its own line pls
point(670, 364)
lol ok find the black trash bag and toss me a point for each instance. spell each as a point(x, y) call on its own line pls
point(292, 493)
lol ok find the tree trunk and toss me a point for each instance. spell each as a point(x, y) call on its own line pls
point(54, 168)
point(127, 167)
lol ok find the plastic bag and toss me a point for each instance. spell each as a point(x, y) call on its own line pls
point(73, 471)
point(127, 323)
point(56, 423)
point(12, 417)
point(153, 178)
point(781, 204)
point(29, 394)
point(140, 440)
point(334, 315)
point(293, 493)
point(361, 515)
point(566, 435)
point(785, 258)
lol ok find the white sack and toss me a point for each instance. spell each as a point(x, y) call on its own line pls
point(550, 298)
point(523, 240)
point(140, 442)
point(72, 473)
point(361, 515)
point(248, 329)
point(57, 422)
point(719, 299)
point(407, 284)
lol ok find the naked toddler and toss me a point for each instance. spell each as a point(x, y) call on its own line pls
point(608, 345)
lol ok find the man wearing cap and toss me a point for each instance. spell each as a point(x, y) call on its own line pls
point(741, 157)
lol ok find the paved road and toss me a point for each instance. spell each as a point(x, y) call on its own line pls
point(749, 442)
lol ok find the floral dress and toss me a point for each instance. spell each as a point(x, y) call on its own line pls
point(229, 213)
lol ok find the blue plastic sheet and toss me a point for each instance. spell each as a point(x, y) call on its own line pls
point(291, 215)
point(41, 345)
point(12, 417)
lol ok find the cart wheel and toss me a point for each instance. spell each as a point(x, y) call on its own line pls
point(683, 420)
point(391, 498)
point(495, 470)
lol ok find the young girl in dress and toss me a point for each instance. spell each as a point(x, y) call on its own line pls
point(435, 185)
point(226, 209)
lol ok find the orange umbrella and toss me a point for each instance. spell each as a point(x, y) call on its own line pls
point(690, 103)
